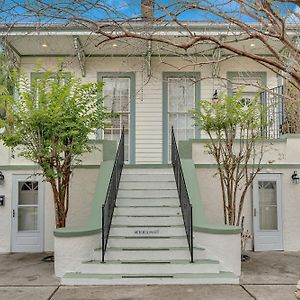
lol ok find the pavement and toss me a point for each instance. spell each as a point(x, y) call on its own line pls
point(266, 276)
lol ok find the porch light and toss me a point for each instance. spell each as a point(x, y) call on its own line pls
point(114, 45)
point(1, 178)
point(252, 45)
point(295, 177)
point(215, 95)
point(44, 45)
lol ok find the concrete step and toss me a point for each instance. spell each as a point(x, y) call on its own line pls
point(152, 231)
point(154, 253)
point(147, 201)
point(141, 193)
point(148, 185)
point(147, 211)
point(150, 171)
point(179, 241)
point(143, 279)
point(149, 221)
point(147, 177)
point(150, 266)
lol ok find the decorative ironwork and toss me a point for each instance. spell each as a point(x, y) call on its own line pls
point(111, 196)
point(273, 103)
point(185, 204)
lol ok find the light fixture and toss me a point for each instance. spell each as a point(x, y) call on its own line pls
point(1, 178)
point(114, 45)
point(252, 45)
point(215, 95)
point(44, 45)
point(295, 177)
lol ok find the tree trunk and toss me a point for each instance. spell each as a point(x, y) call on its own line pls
point(59, 204)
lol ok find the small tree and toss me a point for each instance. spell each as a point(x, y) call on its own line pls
point(50, 123)
point(233, 125)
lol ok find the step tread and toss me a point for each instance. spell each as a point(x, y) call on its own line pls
point(149, 262)
point(221, 274)
point(148, 226)
point(143, 206)
point(149, 248)
point(147, 198)
point(145, 237)
point(159, 216)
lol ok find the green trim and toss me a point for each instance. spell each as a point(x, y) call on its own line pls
point(94, 221)
point(199, 222)
point(282, 139)
point(165, 129)
point(190, 178)
point(109, 150)
point(185, 149)
point(231, 75)
point(263, 166)
point(148, 166)
point(131, 76)
point(218, 229)
point(19, 167)
point(291, 136)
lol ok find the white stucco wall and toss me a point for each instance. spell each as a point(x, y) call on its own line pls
point(284, 160)
point(83, 184)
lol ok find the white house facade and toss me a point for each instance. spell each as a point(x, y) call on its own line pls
point(148, 241)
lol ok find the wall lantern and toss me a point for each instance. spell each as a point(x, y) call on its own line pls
point(1, 178)
point(215, 95)
point(295, 177)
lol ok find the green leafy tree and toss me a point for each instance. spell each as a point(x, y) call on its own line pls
point(234, 127)
point(7, 82)
point(49, 123)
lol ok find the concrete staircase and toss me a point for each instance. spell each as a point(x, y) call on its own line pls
point(147, 243)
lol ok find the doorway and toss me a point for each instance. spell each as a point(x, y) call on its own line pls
point(267, 212)
point(27, 214)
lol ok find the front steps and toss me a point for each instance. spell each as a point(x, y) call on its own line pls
point(147, 243)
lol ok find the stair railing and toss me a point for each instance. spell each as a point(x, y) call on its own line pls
point(185, 204)
point(111, 195)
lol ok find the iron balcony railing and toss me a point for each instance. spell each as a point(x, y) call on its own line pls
point(111, 196)
point(185, 204)
point(273, 102)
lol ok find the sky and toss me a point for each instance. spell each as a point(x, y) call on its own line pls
point(11, 11)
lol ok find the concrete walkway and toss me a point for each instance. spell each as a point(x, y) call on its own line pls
point(267, 276)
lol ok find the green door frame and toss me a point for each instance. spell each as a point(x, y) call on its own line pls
point(165, 120)
point(131, 76)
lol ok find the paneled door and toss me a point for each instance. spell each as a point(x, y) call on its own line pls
point(27, 214)
point(267, 213)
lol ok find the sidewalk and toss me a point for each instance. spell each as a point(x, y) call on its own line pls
point(267, 276)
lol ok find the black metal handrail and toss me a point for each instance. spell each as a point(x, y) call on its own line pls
point(112, 192)
point(185, 204)
point(273, 102)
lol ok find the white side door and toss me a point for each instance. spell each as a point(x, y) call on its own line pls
point(27, 214)
point(267, 212)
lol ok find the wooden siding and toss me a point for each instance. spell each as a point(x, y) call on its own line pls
point(149, 93)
